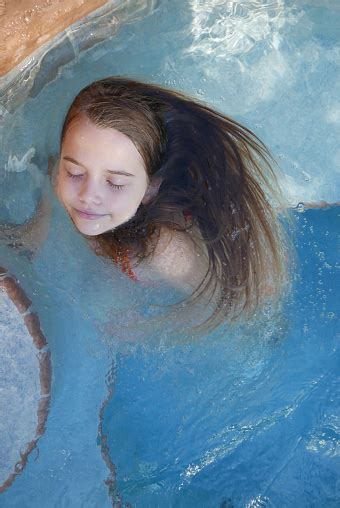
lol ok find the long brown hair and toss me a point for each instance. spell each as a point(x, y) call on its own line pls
point(212, 169)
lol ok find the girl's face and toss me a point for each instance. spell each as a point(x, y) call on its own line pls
point(101, 177)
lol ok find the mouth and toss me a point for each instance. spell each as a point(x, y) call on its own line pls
point(89, 215)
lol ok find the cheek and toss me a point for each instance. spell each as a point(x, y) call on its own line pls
point(119, 204)
point(126, 200)
point(124, 207)
point(137, 194)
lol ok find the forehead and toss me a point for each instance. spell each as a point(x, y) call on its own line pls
point(84, 138)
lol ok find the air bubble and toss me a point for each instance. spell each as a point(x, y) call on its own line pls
point(300, 208)
point(306, 176)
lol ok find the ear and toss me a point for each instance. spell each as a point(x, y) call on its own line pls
point(152, 189)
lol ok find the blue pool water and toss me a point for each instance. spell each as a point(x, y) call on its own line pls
point(141, 413)
point(246, 420)
point(247, 416)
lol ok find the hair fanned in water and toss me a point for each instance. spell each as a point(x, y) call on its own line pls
point(213, 170)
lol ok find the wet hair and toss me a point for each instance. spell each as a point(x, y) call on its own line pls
point(213, 170)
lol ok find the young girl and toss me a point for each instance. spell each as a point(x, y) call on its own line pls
point(164, 185)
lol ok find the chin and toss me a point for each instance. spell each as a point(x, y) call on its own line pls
point(90, 230)
point(85, 232)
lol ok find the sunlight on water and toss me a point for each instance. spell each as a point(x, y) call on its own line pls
point(224, 29)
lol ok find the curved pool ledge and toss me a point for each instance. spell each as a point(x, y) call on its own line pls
point(28, 24)
point(67, 448)
point(74, 33)
point(26, 378)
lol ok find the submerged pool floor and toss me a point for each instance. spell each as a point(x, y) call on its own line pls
point(245, 417)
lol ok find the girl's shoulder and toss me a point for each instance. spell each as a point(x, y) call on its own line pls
point(179, 258)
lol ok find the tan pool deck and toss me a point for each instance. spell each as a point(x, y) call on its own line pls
point(25, 25)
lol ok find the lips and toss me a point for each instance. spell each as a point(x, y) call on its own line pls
point(88, 215)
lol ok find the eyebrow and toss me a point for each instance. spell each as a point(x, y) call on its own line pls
point(70, 159)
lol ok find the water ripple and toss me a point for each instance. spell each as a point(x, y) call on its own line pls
point(227, 29)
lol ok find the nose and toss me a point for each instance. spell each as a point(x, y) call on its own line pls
point(90, 192)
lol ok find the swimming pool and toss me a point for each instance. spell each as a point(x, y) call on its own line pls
point(140, 412)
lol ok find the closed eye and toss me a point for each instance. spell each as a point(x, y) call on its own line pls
point(71, 175)
point(115, 186)
point(78, 175)
point(112, 185)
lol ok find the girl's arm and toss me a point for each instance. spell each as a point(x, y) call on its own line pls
point(30, 235)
